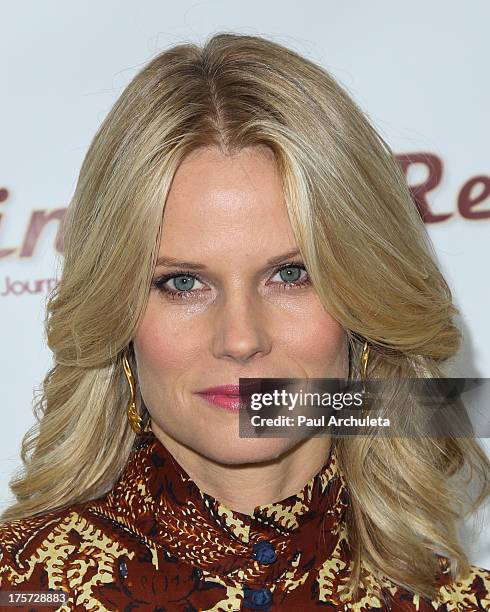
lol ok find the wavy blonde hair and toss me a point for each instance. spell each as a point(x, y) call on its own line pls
point(366, 250)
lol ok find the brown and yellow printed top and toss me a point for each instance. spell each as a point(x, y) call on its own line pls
point(156, 542)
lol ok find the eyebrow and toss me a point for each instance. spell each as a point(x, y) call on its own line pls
point(190, 265)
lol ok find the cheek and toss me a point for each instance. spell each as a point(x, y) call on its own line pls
point(164, 343)
point(320, 342)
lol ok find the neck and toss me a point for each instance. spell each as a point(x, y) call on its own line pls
point(243, 487)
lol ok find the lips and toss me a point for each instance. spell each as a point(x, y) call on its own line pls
point(226, 397)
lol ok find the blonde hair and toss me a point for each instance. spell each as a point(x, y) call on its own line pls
point(363, 243)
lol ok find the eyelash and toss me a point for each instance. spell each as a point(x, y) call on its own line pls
point(159, 283)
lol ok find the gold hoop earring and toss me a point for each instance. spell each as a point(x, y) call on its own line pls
point(364, 365)
point(134, 418)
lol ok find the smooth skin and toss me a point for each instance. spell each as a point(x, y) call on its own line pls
point(237, 318)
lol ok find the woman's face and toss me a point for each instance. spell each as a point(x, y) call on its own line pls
point(234, 316)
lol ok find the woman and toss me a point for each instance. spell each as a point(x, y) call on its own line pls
point(237, 216)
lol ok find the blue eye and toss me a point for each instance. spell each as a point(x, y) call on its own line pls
point(291, 274)
point(184, 282)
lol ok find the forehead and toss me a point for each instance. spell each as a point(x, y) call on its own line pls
point(223, 200)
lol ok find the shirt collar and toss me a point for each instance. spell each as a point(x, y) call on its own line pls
point(170, 511)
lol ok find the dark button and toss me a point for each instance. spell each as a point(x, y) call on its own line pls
point(264, 552)
point(123, 570)
point(257, 599)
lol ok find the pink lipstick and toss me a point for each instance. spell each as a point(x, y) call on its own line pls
point(224, 396)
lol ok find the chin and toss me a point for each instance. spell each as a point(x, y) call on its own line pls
point(245, 450)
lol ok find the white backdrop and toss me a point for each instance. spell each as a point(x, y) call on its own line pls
point(418, 69)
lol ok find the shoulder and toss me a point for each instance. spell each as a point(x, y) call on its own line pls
point(19, 535)
point(469, 592)
point(56, 550)
point(466, 593)
point(31, 548)
point(38, 538)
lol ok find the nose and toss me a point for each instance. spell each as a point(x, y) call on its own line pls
point(241, 328)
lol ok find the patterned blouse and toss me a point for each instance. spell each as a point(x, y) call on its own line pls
point(156, 542)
